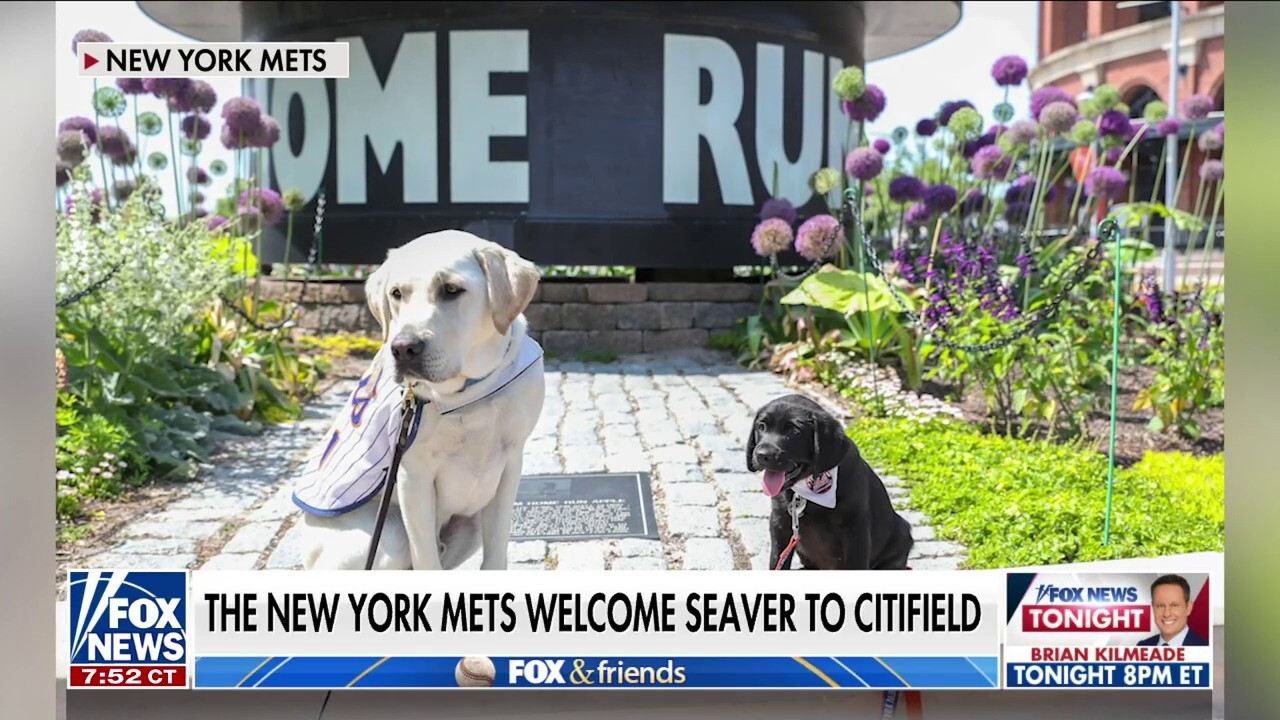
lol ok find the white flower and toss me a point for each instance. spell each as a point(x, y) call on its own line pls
point(82, 452)
point(94, 471)
point(124, 465)
point(109, 456)
point(108, 475)
point(63, 475)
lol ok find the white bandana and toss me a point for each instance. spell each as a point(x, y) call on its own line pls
point(350, 463)
point(820, 488)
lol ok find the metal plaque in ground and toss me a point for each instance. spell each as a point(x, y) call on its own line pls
point(583, 507)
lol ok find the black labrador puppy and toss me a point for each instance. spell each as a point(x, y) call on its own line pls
point(849, 522)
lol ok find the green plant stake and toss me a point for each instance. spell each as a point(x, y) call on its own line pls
point(1110, 230)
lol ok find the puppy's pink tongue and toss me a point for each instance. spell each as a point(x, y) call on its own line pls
point(773, 481)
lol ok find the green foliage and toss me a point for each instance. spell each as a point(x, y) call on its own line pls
point(155, 368)
point(1188, 353)
point(342, 344)
point(1015, 503)
point(604, 356)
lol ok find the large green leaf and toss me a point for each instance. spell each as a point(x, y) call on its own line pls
point(843, 291)
point(107, 355)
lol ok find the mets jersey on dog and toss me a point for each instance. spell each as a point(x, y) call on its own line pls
point(350, 465)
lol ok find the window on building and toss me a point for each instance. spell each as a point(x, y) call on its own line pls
point(1152, 11)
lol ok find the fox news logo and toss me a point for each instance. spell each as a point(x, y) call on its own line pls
point(1086, 609)
point(1059, 594)
point(129, 628)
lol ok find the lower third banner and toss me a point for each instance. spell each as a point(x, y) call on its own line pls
point(774, 673)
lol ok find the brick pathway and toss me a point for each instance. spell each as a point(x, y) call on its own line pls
point(681, 417)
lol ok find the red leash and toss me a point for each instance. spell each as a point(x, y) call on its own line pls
point(914, 701)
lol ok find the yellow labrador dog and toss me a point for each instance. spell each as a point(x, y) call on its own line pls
point(451, 309)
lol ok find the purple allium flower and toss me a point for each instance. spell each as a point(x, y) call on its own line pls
point(1115, 123)
point(819, 237)
point(83, 124)
point(904, 188)
point(72, 147)
point(127, 156)
point(1211, 170)
point(1105, 183)
point(131, 86)
point(949, 108)
point(216, 222)
point(1197, 107)
point(201, 96)
point(233, 140)
point(1009, 70)
point(112, 141)
point(864, 163)
point(1221, 130)
point(926, 127)
point(62, 173)
point(166, 88)
point(1017, 211)
point(242, 115)
point(918, 214)
point(266, 200)
point(771, 237)
point(1113, 155)
point(1046, 95)
point(778, 208)
point(89, 36)
point(196, 127)
point(1168, 127)
point(197, 176)
point(882, 146)
point(940, 198)
point(990, 162)
point(122, 189)
point(1024, 132)
point(1209, 141)
point(1058, 117)
point(973, 202)
point(867, 107)
point(267, 134)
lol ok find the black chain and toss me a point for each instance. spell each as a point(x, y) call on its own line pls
point(306, 281)
point(91, 289)
point(1109, 227)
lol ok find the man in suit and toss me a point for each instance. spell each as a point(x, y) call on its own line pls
point(1171, 605)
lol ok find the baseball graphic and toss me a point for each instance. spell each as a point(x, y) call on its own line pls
point(475, 671)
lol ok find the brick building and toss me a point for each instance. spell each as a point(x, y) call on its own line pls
point(1086, 44)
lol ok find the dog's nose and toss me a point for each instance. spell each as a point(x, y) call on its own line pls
point(407, 347)
point(765, 456)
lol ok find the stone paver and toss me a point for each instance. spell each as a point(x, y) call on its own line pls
point(681, 417)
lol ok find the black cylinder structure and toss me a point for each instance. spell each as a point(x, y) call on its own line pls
point(577, 133)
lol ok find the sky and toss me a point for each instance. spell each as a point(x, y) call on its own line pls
point(956, 66)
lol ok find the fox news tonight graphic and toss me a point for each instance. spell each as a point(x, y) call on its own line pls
point(129, 629)
point(1108, 631)
point(865, 630)
point(242, 60)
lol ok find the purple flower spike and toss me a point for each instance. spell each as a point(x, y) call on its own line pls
point(882, 146)
point(1115, 123)
point(265, 200)
point(1197, 107)
point(990, 162)
point(918, 214)
point(1168, 127)
point(242, 115)
point(131, 86)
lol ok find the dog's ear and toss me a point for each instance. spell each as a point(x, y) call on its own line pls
point(375, 293)
point(751, 443)
point(512, 283)
point(830, 444)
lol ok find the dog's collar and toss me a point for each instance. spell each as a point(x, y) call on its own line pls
point(468, 382)
point(819, 487)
